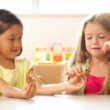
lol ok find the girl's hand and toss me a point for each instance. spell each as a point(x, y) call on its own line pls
point(106, 46)
point(73, 71)
point(75, 84)
point(29, 91)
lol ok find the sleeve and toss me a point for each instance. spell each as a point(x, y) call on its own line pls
point(29, 69)
point(28, 65)
point(1, 74)
point(24, 66)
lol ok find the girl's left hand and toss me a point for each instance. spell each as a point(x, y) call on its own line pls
point(106, 46)
point(75, 84)
point(29, 91)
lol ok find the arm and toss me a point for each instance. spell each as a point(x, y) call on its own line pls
point(60, 87)
point(52, 89)
point(13, 92)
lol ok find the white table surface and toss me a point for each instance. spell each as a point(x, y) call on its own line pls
point(58, 102)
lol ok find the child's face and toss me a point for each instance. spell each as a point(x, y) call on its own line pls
point(95, 36)
point(10, 42)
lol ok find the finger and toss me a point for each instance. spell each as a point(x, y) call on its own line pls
point(70, 73)
point(77, 69)
point(66, 72)
point(81, 75)
point(106, 47)
point(32, 91)
point(27, 90)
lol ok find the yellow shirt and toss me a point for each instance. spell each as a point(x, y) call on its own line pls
point(16, 77)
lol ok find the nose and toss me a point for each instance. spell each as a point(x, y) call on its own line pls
point(18, 44)
point(95, 40)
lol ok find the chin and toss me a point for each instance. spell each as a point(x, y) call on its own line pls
point(12, 56)
point(98, 55)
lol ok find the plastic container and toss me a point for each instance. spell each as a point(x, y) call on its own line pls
point(57, 52)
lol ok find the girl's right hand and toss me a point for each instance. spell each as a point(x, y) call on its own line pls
point(29, 91)
point(106, 47)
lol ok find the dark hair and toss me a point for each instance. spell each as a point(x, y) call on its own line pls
point(7, 19)
point(81, 54)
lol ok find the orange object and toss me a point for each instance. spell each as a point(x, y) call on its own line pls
point(57, 52)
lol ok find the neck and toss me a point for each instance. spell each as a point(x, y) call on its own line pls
point(99, 61)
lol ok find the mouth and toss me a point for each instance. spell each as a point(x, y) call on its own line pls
point(15, 51)
point(95, 48)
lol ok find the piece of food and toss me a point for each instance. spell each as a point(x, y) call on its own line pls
point(82, 75)
point(31, 78)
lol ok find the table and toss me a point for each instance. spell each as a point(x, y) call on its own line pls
point(57, 102)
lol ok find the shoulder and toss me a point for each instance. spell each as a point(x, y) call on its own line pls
point(23, 64)
point(22, 60)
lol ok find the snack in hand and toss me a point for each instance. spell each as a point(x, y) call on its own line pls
point(82, 75)
point(31, 78)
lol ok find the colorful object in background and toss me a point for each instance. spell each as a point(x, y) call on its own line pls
point(67, 53)
point(48, 54)
point(37, 54)
point(55, 53)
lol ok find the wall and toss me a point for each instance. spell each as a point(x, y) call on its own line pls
point(44, 30)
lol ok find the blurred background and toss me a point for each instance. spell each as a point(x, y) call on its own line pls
point(51, 31)
point(49, 21)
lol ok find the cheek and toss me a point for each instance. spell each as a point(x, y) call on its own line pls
point(21, 44)
point(87, 45)
point(4, 50)
point(102, 43)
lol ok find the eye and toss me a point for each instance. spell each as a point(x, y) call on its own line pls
point(11, 39)
point(101, 36)
point(88, 37)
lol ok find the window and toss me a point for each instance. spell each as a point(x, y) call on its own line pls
point(72, 6)
point(19, 6)
point(55, 6)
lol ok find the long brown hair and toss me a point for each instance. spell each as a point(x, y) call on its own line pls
point(81, 54)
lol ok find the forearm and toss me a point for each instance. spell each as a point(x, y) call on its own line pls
point(72, 92)
point(76, 92)
point(51, 89)
point(10, 91)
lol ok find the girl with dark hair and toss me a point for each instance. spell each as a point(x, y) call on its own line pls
point(17, 76)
